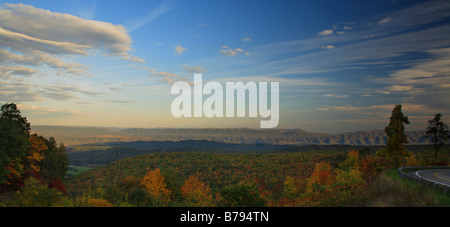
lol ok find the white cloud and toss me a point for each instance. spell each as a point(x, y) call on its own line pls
point(336, 96)
point(7, 71)
point(33, 37)
point(347, 28)
point(325, 32)
point(246, 39)
point(385, 20)
point(399, 88)
point(25, 43)
point(179, 50)
point(228, 52)
point(71, 30)
point(434, 72)
point(38, 58)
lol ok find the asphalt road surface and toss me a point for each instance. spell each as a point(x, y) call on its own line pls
point(441, 176)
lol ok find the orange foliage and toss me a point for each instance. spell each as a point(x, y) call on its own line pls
point(99, 203)
point(321, 175)
point(35, 153)
point(153, 181)
point(196, 193)
point(15, 172)
point(368, 169)
point(320, 183)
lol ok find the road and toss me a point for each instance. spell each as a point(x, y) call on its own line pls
point(441, 176)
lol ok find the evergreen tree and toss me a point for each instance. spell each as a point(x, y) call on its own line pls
point(437, 132)
point(395, 147)
point(14, 134)
point(55, 162)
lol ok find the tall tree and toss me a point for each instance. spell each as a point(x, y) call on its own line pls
point(395, 147)
point(11, 112)
point(14, 134)
point(437, 132)
point(55, 162)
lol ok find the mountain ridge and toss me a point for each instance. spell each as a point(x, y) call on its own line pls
point(71, 136)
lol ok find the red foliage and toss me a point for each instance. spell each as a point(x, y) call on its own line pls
point(34, 174)
point(58, 184)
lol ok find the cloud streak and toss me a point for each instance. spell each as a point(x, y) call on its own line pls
point(152, 15)
point(33, 37)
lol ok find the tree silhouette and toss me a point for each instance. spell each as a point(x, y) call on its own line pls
point(395, 147)
point(10, 112)
point(437, 132)
point(14, 134)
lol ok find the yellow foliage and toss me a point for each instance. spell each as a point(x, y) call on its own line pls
point(196, 193)
point(289, 189)
point(99, 203)
point(35, 153)
point(321, 178)
point(154, 183)
point(412, 161)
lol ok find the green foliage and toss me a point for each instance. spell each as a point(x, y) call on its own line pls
point(35, 194)
point(14, 132)
point(395, 150)
point(241, 195)
point(55, 163)
point(12, 113)
point(4, 171)
point(437, 132)
point(23, 155)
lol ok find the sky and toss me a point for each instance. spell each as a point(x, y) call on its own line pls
point(341, 65)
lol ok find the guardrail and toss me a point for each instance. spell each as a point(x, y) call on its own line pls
point(418, 179)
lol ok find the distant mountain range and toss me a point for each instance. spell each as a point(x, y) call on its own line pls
point(71, 136)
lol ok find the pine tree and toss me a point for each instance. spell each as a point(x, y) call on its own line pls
point(395, 147)
point(437, 132)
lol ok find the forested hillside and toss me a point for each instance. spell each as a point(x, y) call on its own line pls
point(89, 135)
point(228, 179)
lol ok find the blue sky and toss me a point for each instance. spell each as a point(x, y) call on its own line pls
point(342, 65)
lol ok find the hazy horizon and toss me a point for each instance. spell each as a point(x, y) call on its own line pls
point(121, 128)
point(342, 66)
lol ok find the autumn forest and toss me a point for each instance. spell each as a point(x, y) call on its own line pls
point(34, 173)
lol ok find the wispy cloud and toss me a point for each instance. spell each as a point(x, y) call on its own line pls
point(228, 51)
point(137, 23)
point(84, 10)
point(193, 69)
point(63, 92)
point(326, 32)
point(31, 38)
point(179, 49)
point(336, 96)
point(42, 110)
point(385, 20)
